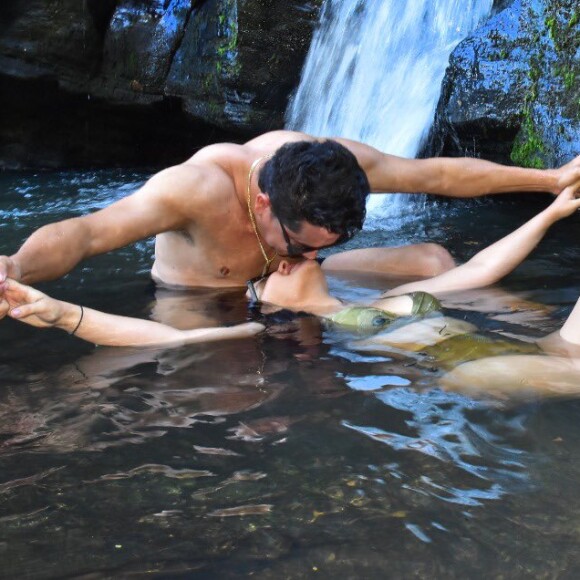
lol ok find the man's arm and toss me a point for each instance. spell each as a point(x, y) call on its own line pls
point(166, 202)
point(499, 259)
point(457, 177)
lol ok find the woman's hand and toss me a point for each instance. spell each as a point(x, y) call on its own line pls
point(565, 204)
point(29, 305)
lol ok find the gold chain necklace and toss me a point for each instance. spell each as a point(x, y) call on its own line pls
point(268, 261)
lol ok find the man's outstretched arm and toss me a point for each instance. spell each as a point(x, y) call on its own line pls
point(458, 177)
point(55, 249)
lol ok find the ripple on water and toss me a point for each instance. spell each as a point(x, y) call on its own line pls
point(317, 453)
point(441, 425)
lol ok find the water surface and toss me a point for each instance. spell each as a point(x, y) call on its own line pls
point(282, 456)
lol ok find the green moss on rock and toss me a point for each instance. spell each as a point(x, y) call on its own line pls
point(528, 147)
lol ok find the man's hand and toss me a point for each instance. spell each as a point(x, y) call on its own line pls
point(569, 175)
point(9, 269)
point(28, 305)
point(4, 307)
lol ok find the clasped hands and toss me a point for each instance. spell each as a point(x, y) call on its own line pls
point(28, 305)
point(569, 175)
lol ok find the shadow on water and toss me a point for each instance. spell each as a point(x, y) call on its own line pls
point(279, 456)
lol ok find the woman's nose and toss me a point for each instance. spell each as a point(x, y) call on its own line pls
point(284, 267)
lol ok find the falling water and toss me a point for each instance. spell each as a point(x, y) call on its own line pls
point(374, 73)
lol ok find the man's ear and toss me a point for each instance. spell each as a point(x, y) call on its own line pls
point(262, 202)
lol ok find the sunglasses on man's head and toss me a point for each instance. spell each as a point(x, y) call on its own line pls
point(296, 249)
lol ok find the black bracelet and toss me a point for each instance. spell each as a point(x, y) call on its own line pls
point(80, 320)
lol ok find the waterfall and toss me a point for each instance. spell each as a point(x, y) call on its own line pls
point(374, 73)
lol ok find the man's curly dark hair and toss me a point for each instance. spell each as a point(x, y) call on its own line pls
point(319, 182)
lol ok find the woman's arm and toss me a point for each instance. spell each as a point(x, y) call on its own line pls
point(499, 259)
point(37, 309)
point(570, 332)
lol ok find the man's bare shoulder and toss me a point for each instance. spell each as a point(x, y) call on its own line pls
point(188, 174)
point(220, 169)
point(190, 187)
point(230, 156)
point(215, 154)
point(275, 139)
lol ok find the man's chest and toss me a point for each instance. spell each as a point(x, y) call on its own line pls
point(225, 256)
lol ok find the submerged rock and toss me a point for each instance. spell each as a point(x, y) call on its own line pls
point(512, 89)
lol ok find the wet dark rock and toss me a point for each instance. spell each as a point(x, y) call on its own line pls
point(146, 82)
point(512, 90)
point(185, 71)
point(499, 5)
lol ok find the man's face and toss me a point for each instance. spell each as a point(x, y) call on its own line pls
point(306, 242)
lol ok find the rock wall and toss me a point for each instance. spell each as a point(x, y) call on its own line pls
point(146, 82)
point(101, 82)
point(512, 90)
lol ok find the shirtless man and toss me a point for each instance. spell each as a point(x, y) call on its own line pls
point(231, 211)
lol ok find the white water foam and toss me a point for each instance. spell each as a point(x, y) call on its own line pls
point(374, 74)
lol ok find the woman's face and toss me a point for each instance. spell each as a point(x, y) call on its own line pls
point(300, 285)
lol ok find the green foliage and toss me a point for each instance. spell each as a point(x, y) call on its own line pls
point(552, 26)
point(569, 80)
point(227, 40)
point(561, 24)
point(568, 75)
point(528, 147)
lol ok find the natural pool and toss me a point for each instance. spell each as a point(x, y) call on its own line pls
point(286, 456)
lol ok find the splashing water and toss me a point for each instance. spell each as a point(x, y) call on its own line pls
point(374, 73)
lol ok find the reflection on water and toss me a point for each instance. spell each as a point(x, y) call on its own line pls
point(440, 426)
point(279, 456)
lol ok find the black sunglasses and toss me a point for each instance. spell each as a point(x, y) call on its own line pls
point(252, 289)
point(296, 249)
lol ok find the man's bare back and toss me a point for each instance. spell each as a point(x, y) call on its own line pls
point(205, 237)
